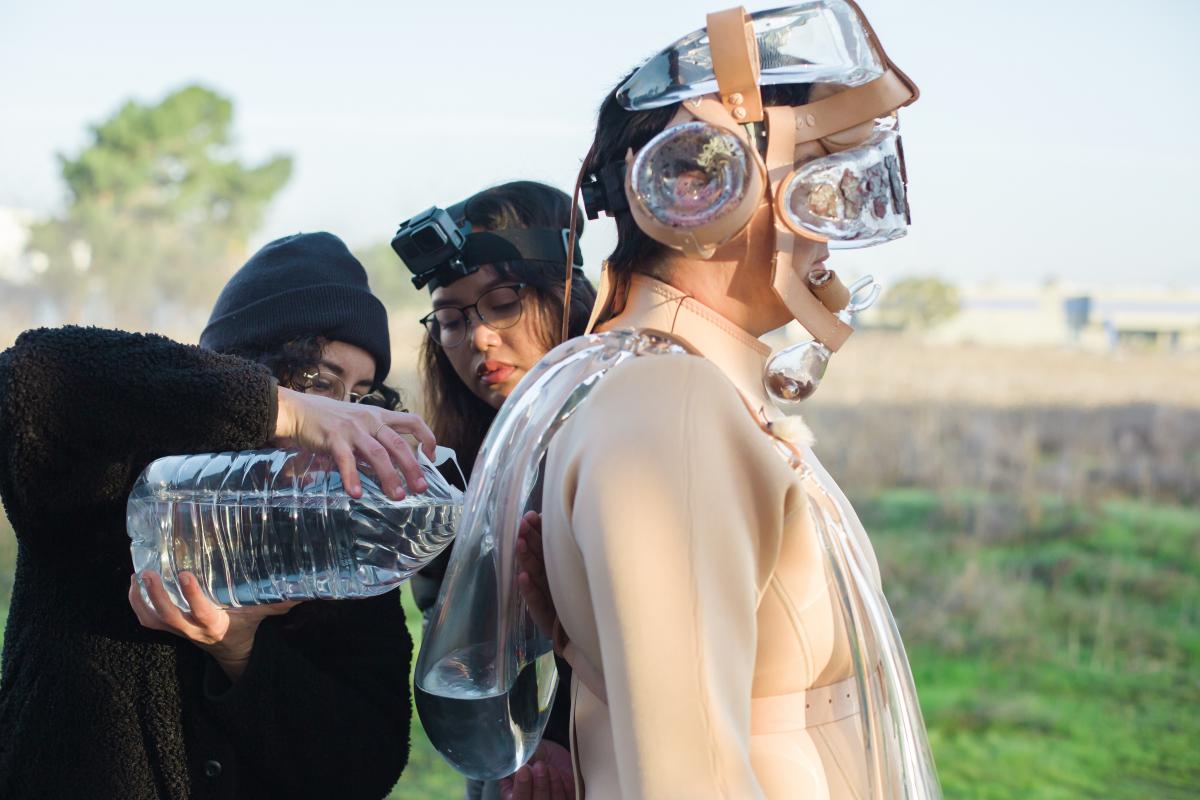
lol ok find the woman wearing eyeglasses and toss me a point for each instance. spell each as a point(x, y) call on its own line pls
point(308, 700)
point(486, 330)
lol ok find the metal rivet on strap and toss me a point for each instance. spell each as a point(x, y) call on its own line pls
point(736, 99)
point(739, 113)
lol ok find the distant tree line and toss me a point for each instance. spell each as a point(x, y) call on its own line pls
point(159, 212)
point(918, 303)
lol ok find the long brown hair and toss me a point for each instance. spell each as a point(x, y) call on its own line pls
point(458, 418)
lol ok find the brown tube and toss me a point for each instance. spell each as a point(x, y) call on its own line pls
point(829, 289)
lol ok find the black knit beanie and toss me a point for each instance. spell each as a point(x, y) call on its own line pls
point(302, 285)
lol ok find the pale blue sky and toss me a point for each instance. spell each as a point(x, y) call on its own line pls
point(1051, 138)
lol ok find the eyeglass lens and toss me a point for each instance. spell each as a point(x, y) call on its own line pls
point(324, 384)
point(497, 308)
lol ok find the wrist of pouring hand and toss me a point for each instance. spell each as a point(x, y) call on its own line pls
point(285, 414)
point(231, 657)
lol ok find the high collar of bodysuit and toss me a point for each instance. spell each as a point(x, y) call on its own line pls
point(650, 303)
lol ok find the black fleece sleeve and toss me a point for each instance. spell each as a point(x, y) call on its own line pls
point(83, 410)
point(323, 708)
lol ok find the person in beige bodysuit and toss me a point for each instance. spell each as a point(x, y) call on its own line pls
point(694, 597)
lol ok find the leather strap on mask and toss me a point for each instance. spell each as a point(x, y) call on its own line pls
point(707, 108)
point(786, 280)
point(734, 50)
point(852, 107)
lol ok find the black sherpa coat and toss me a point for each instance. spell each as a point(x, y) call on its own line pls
point(92, 705)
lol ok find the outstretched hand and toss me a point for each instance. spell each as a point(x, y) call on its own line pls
point(348, 432)
point(228, 636)
point(532, 580)
point(549, 775)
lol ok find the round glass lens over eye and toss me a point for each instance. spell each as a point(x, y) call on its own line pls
point(498, 308)
point(691, 175)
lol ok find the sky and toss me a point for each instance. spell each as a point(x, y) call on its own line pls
point(1051, 139)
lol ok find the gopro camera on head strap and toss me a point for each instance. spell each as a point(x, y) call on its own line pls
point(438, 246)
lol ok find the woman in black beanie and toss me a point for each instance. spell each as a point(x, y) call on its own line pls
point(260, 703)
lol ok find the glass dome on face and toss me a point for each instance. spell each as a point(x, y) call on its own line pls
point(691, 175)
point(855, 198)
point(819, 41)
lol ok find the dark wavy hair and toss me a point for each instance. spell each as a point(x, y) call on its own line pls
point(289, 360)
point(458, 418)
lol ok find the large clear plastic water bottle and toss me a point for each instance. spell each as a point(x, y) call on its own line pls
point(264, 526)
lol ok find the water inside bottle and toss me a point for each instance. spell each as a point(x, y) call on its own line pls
point(485, 733)
point(264, 547)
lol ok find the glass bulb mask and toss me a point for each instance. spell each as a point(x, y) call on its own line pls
point(697, 185)
point(832, 170)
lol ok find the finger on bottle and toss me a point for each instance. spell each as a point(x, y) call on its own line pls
point(412, 472)
point(380, 459)
point(348, 468)
point(161, 602)
point(144, 615)
point(399, 451)
point(203, 611)
point(421, 432)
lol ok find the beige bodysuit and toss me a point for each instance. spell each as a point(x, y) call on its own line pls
point(710, 653)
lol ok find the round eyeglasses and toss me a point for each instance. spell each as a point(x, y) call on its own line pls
point(326, 384)
point(498, 308)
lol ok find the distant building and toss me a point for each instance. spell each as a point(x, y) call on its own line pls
point(16, 265)
point(22, 303)
point(1059, 313)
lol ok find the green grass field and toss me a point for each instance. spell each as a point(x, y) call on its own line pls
point(1056, 657)
point(1056, 647)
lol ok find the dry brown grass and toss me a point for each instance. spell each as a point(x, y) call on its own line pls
point(900, 369)
point(1019, 423)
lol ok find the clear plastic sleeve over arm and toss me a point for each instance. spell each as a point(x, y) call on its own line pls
point(485, 676)
point(898, 759)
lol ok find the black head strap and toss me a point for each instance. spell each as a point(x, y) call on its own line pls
point(518, 244)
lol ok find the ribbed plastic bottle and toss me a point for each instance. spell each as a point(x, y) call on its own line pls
point(264, 526)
